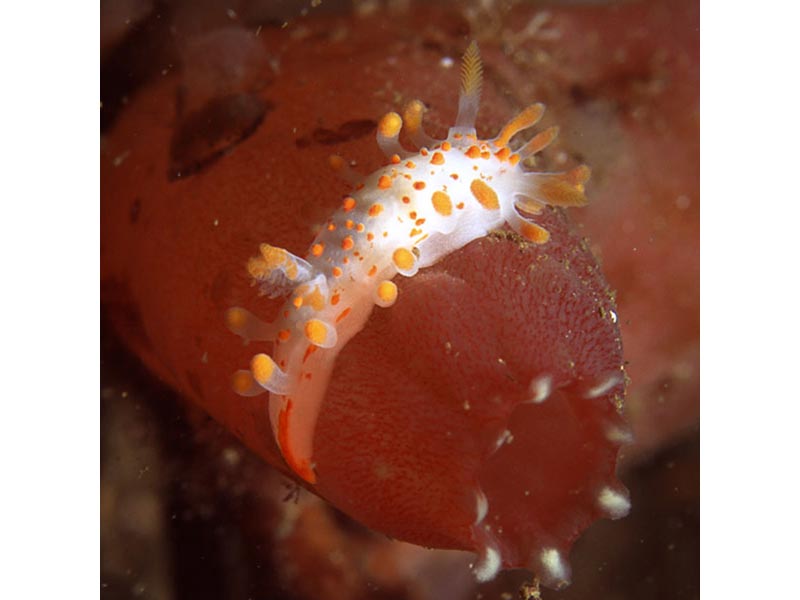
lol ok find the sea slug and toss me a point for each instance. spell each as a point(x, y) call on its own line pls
point(406, 216)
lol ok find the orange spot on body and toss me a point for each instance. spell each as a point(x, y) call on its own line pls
point(317, 249)
point(484, 194)
point(375, 210)
point(348, 204)
point(384, 182)
point(337, 272)
point(309, 351)
point(437, 158)
point(343, 314)
point(473, 152)
point(442, 204)
point(347, 243)
point(419, 185)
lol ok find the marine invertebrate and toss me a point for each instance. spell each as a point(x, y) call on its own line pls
point(500, 432)
point(403, 217)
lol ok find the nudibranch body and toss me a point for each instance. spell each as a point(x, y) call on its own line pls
point(403, 217)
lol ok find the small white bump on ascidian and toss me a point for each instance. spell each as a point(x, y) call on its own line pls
point(481, 506)
point(488, 565)
point(604, 386)
point(557, 572)
point(540, 389)
point(619, 435)
point(615, 504)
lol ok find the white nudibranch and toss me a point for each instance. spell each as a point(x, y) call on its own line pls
point(403, 217)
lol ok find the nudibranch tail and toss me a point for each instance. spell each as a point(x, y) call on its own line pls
point(406, 216)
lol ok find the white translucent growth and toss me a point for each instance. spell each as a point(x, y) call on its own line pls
point(504, 438)
point(619, 435)
point(556, 571)
point(614, 503)
point(540, 389)
point(604, 386)
point(481, 506)
point(488, 565)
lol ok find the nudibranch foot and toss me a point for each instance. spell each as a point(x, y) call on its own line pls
point(286, 418)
